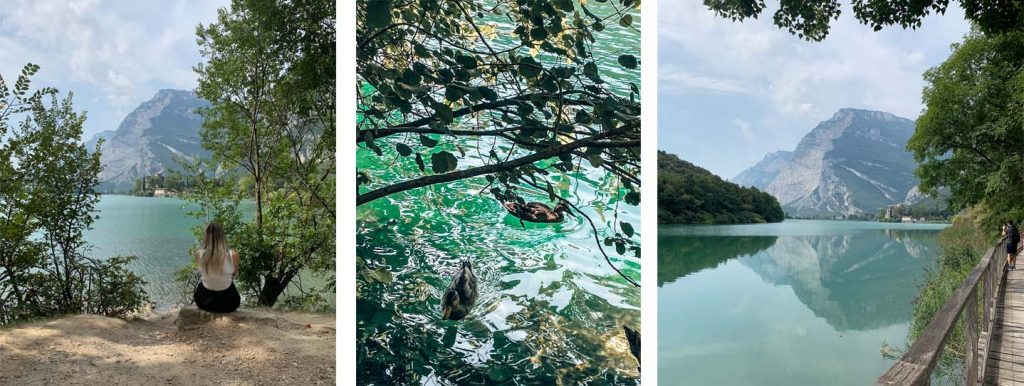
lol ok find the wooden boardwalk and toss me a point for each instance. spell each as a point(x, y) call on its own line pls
point(1006, 356)
point(990, 305)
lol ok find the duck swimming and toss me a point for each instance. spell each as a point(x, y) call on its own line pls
point(461, 295)
point(537, 212)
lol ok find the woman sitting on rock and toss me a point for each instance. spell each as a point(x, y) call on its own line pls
point(218, 266)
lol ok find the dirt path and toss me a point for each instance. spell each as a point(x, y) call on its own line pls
point(88, 349)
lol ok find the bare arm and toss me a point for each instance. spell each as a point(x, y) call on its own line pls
point(234, 260)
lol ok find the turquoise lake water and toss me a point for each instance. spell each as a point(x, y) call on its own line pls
point(158, 231)
point(795, 303)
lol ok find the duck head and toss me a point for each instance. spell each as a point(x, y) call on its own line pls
point(562, 207)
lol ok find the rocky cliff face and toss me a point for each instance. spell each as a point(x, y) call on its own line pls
point(151, 139)
point(854, 162)
point(765, 171)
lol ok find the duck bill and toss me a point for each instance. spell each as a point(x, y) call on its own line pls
point(446, 313)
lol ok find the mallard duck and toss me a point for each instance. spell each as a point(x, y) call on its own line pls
point(537, 212)
point(461, 294)
point(633, 337)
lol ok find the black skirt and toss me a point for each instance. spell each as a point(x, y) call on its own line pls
point(217, 301)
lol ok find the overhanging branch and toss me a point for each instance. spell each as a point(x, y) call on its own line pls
point(486, 169)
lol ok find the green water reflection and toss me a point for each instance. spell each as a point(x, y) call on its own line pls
point(799, 303)
point(550, 310)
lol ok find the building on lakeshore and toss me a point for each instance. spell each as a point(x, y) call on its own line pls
point(162, 192)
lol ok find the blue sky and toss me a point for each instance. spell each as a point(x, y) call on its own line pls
point(731, 92)
point(112, 54)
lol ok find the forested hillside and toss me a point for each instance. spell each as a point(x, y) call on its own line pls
point(688, 194)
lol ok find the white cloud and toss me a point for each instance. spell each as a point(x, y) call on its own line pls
point(745, 129)
point(854, 66)
point(674, 80)
point(115, 53)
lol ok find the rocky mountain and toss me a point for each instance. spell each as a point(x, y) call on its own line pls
point(150, 139)
point(104, 135)
point(762, 174)
point(852, 163)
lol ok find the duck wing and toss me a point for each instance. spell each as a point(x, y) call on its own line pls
point(539, 212)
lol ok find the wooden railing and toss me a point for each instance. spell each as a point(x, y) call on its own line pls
point(918, 362)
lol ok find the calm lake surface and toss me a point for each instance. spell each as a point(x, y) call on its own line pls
point(795, 303)
point(159, 232)
point(550, 311)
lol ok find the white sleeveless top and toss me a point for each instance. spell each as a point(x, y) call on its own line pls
point(217, 282)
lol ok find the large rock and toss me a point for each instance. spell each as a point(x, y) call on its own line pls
point(190, 317)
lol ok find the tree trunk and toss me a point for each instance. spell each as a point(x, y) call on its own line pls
point(257, 174)
point(271, 290)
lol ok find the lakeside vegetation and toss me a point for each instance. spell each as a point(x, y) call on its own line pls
point(47, 197)
point(269, 75)
point(688, 194)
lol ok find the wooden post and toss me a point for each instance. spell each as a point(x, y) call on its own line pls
point(971, 328)
point(988, 296)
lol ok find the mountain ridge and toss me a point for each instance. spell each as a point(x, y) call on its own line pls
point(853, 163)
point(150, 139)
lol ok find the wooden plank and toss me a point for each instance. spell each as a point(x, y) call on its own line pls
point(1005, 362)
point(921, 357)
point(971, 321)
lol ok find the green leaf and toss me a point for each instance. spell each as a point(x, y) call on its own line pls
point(419, 162)
point(528, 67)
point(443, 162)
point(488, 93)
point(453, 93)
point(627, 228)
point(378, 13)
point(590, 70)
point(563, 5)
point(628, 61)
point(538, 33)
point(444, 113)
point(633, 198)
point(620, 247)
point(466, 61)
point(427, 141)
point(403, 149)
point(626, 20)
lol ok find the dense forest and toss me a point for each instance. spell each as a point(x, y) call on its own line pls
point(688, 194)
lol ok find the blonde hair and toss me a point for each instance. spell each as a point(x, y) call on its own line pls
point(215, 249)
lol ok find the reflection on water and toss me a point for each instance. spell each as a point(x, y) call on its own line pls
point(804, 292)
point(679, 256)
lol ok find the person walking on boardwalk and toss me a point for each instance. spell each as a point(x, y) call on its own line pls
point(1012, 240)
